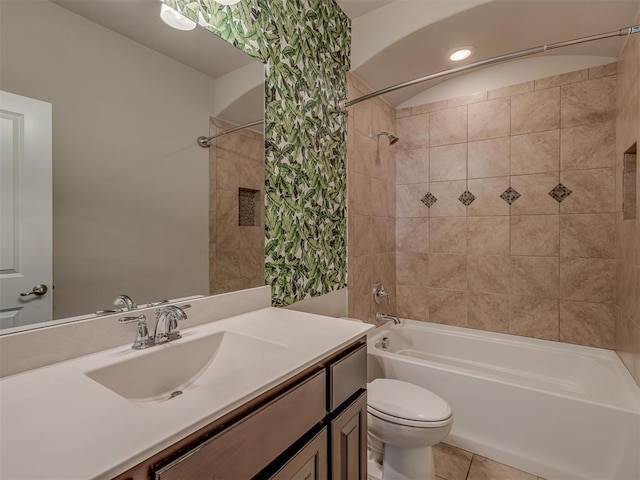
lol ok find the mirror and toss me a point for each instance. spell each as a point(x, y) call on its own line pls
point(138, 207)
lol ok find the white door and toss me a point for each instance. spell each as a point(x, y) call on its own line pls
point(25, 210)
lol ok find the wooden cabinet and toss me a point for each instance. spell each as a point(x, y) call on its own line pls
point(310, 427)
point(310, 463)
point(266, 434)
point(346, 375)
point(347, 404)
point(349, 442)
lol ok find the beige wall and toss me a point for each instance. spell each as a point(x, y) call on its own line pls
point(627, 308)
point(332, 304)
point(130, 183)
point(371, 208)
point(537, 268)
point(236, 253)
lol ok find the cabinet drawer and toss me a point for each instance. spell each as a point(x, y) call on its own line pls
point(244, 449)
point(347, 376)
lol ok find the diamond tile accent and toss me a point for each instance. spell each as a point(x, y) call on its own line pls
point(467, 197)
point(560, 192)
point(510, 195)
point(429, 199)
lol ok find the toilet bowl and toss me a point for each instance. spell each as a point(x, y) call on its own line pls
point(404, 422)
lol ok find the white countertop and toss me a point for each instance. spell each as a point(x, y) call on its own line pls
point(57, 423)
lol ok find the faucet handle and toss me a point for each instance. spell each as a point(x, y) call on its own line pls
point(379, 293)
point(155, 304)
point(142, 337)
point(138, 319)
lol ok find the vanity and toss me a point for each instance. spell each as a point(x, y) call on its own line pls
point(270, 393)
point(306, 427)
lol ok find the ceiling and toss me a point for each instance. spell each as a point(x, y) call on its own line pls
point(238, 94)
point(356, 8)
point(397, 40)
point(139, 20)
point(492, 27)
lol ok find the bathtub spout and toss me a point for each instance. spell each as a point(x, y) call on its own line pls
point(383, 317)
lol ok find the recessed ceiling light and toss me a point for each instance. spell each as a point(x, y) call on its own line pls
point(460, 54)
point(175, 19)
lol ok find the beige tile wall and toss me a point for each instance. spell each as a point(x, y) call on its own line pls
point(236, 254)
point(627, 245)
point(537, 268)
point(371, 240)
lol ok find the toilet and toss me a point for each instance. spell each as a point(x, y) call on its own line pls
point(404, 422)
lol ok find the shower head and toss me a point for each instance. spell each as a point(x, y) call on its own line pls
point(392, 138)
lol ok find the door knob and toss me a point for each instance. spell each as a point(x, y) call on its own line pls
point(38, 291)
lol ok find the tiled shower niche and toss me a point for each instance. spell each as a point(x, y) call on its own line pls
point(629, 183)
point(248, 207)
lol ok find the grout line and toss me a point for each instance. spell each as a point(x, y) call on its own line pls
point(559, 213)
point(469, 467)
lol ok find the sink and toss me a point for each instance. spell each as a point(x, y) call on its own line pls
point(166, 371)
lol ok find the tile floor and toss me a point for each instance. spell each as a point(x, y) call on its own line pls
point(456, 464)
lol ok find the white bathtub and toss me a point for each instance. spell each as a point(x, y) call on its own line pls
point(555, 410)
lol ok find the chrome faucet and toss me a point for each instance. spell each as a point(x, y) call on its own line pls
point(126, 302)
point(166, 326)
point(167, 323)
point(383, 317)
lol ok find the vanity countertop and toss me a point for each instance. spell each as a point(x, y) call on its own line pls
point(58, 423)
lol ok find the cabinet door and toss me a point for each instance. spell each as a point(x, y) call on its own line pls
point(349, 442)
point(310, 463)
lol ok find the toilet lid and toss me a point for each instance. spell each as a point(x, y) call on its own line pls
point(406, 401)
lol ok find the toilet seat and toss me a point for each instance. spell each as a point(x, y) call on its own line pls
point(406, 422)
point(406, 404)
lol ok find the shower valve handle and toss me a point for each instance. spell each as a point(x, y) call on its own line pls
point(379, 293)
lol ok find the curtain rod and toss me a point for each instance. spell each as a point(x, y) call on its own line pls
point(343, 105)
point(204, 142)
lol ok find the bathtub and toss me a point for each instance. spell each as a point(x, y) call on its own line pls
point(555, 410)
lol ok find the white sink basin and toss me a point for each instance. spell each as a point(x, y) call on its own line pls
point(164, 372)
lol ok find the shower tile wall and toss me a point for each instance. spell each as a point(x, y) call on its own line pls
point(510, 257)
point(627, 245)
point(371, 209)
point(236, 253)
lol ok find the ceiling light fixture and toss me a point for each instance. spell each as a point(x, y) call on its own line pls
point(459, 54)
point(175, 19)
point(228, 2)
